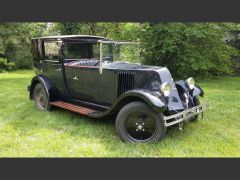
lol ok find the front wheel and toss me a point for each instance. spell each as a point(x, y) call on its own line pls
point(136, 122)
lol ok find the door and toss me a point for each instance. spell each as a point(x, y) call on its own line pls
point(87, 84)
point(83, 83)
point(83, 78)
point(52, 67)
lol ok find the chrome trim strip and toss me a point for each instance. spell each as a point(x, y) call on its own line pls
point(54, 61)
point(119, 42)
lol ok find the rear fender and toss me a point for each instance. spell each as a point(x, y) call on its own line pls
point(51, 91)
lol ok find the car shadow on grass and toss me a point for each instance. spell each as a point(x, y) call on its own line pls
point(109, 123)
point(27, 119)
point(73, 123)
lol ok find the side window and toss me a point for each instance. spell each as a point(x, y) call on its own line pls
point(96, 51)
point(78, 51)
point(51, 50)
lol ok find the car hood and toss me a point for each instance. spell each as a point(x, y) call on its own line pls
point(147, 77)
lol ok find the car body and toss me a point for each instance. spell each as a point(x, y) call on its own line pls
point(72, 73)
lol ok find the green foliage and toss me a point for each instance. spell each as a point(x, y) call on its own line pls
point(188, 49)
point(15, 39)
point(126, 52)
point(115, 31)
point(123, 31)
point(6, 66)
point(20, 53)
point(233, 39)
point(66, 28)
point(75, 28)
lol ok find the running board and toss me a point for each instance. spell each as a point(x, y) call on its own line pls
point(74, 108)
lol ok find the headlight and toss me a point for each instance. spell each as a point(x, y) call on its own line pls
point(165, 88)
point(190, 83)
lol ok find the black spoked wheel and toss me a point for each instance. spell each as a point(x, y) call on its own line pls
point(40, 97)
point(136, 122)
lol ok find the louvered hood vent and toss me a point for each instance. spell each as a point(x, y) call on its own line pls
point(125, 82)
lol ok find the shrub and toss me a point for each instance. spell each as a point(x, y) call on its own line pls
point(188, 49)
point(6, 66)
point(20, 54)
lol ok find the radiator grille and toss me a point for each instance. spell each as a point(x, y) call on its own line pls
point(125, 82)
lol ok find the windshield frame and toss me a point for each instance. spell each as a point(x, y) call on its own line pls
point(101, 42)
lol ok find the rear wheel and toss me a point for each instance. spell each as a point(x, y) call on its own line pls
point(41, 98)
point(136, 122)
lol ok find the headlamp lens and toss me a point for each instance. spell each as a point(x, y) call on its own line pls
point(190, 82)
point(165, 88)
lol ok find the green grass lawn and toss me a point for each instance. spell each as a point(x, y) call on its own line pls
point(27, 132)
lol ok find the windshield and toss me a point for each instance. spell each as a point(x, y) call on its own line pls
point(120, 51)
point(110, 51)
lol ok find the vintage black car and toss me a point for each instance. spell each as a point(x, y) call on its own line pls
point(98, 77)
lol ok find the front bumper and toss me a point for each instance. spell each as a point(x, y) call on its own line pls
point(184, 115)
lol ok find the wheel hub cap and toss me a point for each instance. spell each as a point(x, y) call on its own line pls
point(140, 127)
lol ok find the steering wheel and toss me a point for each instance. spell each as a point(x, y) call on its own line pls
point(105, 59)
point(108, 58)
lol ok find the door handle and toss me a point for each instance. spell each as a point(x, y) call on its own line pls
point(75, 78)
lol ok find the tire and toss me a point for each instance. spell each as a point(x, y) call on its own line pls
point(196, 102)
point(136, 122)
point(41, 98)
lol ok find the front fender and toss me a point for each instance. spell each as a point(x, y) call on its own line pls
point(148, 97)
point(182, 88)
point(198, 91)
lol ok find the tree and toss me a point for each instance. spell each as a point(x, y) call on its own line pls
point(16, 41)
point(188, 49)
point(116, 31)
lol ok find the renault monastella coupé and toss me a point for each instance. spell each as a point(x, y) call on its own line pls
point(98, 77)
